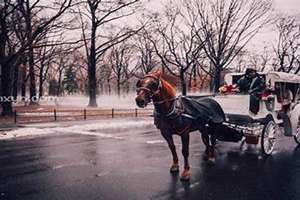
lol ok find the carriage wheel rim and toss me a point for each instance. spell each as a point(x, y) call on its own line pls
point(297, 135)
point(269, 138)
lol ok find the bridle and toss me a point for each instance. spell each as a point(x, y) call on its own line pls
point(149, 91)
point(156, 91)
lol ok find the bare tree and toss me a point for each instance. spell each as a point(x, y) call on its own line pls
point(45, 56)
point(97, 16)
point(288, 44)
point(23, 16)
point(36, 27)
point(7, 52)
point(176, 45)
point(146, 56)
point(226, 27)
point(120, 57)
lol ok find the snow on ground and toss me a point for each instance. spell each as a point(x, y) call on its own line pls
point(96, 128)
point(103, 101)
point(125, 101)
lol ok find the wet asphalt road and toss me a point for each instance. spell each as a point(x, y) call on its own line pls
point(135, 165)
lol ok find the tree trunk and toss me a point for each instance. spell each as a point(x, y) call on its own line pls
point(192, 79)
point(32, 88)
point(92, 65)
point(127, 87)
point(41, 90)
point(5, 74)
point(59, 90)
point(217, 79)
point(119, 86)
point(109, 86)
point(6, 100)
point(16, 82)
point(23, 81)
point(183, 83)
point(41, 81)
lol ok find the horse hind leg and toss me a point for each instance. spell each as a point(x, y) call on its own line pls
point(205, 140)
point(209, 141)
point(211, 150)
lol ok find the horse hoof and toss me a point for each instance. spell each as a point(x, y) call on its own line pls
point(185, 176)
point(174, 169)
point(211, 161)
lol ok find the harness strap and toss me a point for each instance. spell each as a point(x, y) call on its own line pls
point(164, 101)
point(166, 115)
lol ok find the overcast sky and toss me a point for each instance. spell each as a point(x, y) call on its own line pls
point(282, 5)
point(268, 37)
point(288, 5)
point(265, 37)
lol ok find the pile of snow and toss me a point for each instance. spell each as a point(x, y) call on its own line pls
point(94, 128)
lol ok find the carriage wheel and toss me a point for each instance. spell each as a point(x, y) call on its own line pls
point(268, 137)
point(297, 134)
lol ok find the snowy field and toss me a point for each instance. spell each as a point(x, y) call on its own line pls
point(103, 101)
point(98, 128)
point(125, 101)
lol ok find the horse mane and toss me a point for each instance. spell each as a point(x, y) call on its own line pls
point(167, 86)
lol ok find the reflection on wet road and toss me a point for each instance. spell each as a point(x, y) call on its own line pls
point(135, 165)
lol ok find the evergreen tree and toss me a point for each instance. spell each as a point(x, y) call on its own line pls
point(69, 82)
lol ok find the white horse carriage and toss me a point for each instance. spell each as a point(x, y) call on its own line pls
point(278, 111)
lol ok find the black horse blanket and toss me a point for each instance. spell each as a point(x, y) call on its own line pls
point(198, 111)
point(206, 109)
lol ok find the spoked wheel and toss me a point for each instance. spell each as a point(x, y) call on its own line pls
point(297, 134)
point(268, 138)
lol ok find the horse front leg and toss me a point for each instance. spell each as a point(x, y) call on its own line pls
point(185, 139)
point(169, 138)
point(205, 140)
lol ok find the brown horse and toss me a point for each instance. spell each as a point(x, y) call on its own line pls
point(170, 120)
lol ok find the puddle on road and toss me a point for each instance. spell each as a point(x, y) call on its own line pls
point(154, 141)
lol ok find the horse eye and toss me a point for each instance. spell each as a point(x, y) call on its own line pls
point(153, 86)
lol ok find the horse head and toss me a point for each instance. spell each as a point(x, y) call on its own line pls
point(153, 87)
point(147, 87)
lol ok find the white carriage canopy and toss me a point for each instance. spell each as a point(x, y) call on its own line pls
point(282, 77)
point(271, 77)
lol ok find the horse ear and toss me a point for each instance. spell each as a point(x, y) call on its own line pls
point(157, 73)
point(138, 83)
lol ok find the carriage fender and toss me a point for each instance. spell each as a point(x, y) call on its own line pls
point(294, 117)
